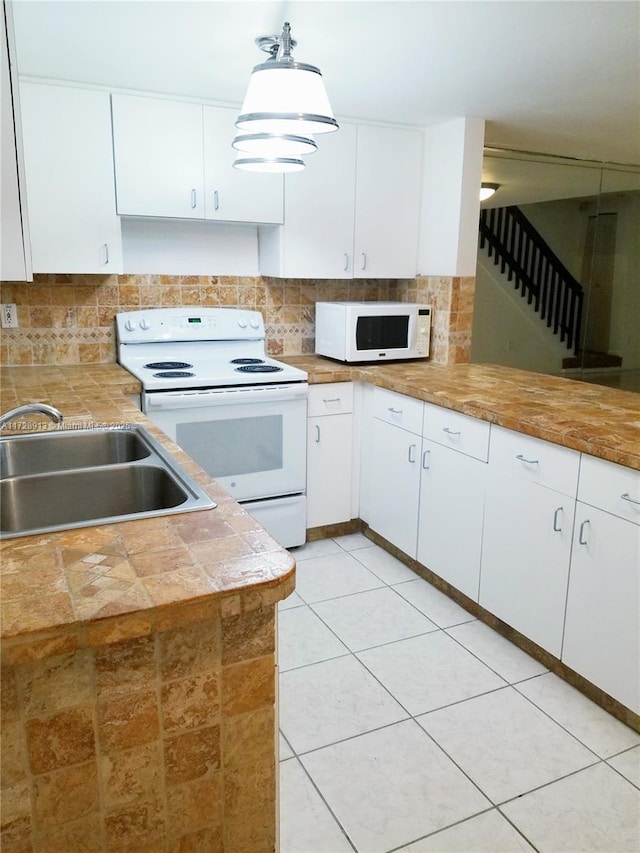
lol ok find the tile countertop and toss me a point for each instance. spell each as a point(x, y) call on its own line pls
point(96, 585)
point(594, 419)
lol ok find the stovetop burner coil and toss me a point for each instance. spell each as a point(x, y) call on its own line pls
point(259, 368)
point(173, 374)
point(167, 365)
point(247, 361)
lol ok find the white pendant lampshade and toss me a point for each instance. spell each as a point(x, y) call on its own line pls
point(268, 164)
point(284, 96)
point(274, 145)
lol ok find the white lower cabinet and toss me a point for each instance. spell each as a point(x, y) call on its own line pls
point(452, 492)
point(394, 481)
point(329, 454)
point(602, 631)
point(527, 535)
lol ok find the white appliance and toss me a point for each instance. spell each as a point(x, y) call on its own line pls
point(207, 382)
point(372, 331)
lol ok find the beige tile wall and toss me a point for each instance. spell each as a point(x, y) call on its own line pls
point(69, 319)
point(160, 743)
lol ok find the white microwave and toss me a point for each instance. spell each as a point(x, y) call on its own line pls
point(372, 331)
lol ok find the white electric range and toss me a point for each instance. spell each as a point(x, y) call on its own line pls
point(208, 383)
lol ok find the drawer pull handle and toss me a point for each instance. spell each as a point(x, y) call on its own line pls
point(627, 497)
point(581, 538)
point(528, 461)
point(555, 520)
point(394, 411)
point(364, 260)
point(331, 399)
point(450, 431)
point(317, 434)
point(426, 455)
point(216, 200)
point(412, 453)
point(346, 262)
point(193, 199)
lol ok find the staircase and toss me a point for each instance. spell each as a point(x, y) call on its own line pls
point(535, 270)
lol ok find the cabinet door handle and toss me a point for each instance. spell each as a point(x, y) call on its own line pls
point(627, 497)
point(412, 453)
point(450, 431)
point(346, 261)
point(364, 260)
point(216, 200)
point(105, 249)
point(581, 538)
point(426, 455)
point(317, 434)
point(331, 399)
point(555, 519)
point(528, 461)
point(193, 199)
point(394, 411)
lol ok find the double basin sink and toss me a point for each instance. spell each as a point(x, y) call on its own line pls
point(78, 478)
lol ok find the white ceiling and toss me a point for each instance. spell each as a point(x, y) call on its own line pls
point(558, 77)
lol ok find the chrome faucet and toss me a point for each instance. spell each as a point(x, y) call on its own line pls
point(31, 409)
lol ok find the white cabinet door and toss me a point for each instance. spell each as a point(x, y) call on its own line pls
point(230, 194)
point(353, 212)
point(158, 157)
point(452, 492)
point(15, 259)
point(394, 481)
point(388, 168)
point(602, 631)
point(69, 174)
point(525, 557)
point(329, 443)
point(316, 240)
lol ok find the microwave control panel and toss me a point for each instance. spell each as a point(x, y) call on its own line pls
point(423, 331)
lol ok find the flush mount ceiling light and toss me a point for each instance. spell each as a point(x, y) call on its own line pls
point(285, 104)
point(487, 190)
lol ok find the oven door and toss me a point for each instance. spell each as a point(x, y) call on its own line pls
point(251, 440)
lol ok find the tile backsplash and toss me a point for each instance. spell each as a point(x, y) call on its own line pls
point(69, 319)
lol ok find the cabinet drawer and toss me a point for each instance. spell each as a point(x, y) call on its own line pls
point(610, 487)
point(459, 432)
point(532, 459)
point(398, 409)
point(334, 398)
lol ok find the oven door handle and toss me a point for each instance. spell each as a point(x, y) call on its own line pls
point(223, 397)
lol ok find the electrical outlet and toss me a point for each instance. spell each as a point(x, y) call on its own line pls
point(9, 315)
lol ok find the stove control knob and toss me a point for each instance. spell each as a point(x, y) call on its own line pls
point(130, 325)
point(255, 324)
point(145, 324)
point(242, 323)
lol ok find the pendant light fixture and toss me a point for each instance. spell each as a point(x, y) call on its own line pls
point(285, 104)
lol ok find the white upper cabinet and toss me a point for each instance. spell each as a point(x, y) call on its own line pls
point(174, 159)
point(69, 175)
point(158, 157)
point(387, 202)
point(316, 240)
point(15, 259)
point(231, 194)
point(353, 212)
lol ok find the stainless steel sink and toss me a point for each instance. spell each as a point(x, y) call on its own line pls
point(66, 479)
point(66, 449)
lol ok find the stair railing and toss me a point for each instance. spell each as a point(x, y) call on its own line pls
point(535, 269)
